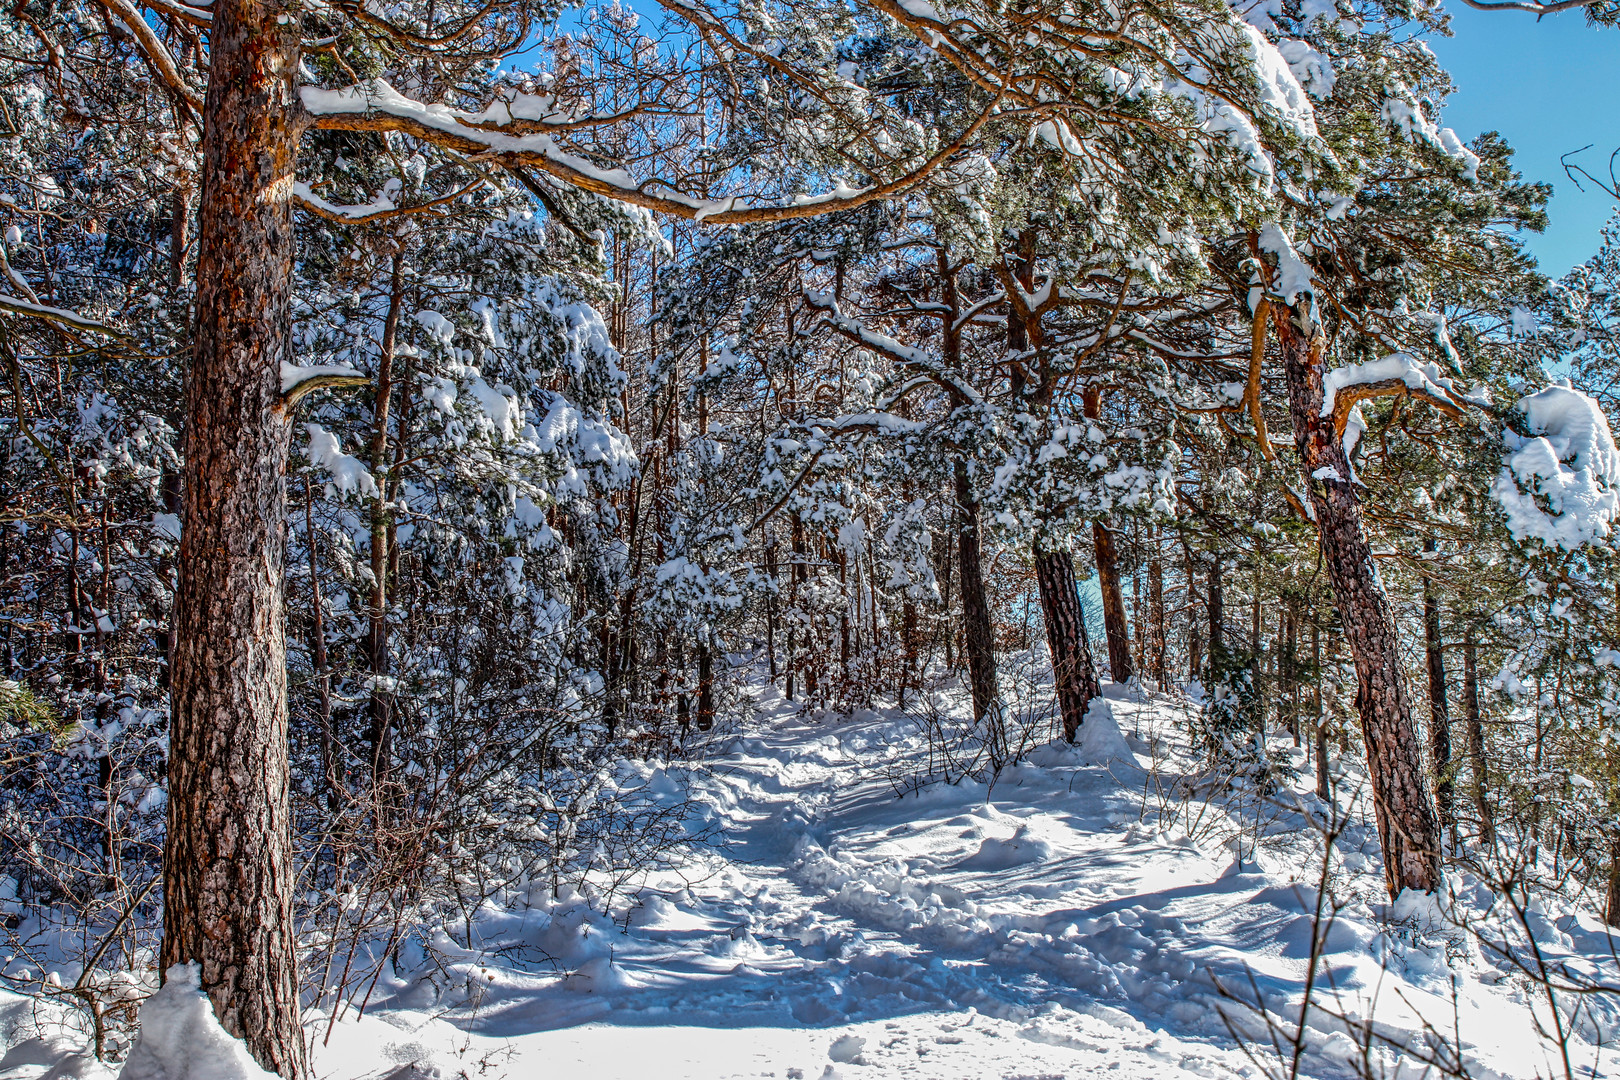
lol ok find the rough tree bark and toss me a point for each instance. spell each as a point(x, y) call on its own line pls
point(1072, 671)
point(1476, 737)
point(1407, 828)
point(1439, 708)
point(228, 875)
point(978, 639)
point(1115, 628)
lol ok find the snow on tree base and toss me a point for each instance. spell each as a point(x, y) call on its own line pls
point(181, 1039)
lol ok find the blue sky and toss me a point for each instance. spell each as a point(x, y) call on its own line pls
point(1549, 86)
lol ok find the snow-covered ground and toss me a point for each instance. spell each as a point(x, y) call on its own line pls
point(1078, 918)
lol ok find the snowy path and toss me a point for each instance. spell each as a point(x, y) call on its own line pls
point(1037, 930)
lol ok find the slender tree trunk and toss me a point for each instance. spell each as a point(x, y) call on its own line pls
point(1156, 628)
point(705, 695)
point(1439, 709)
point(1322, 789)
point(1195, 645)
point(1073, 674)
point(770, 606)
point(1138, 625)
point(179, 236)
point(381, 704)
point(1407, 827)
point(978, 639)
point(317, 658)
point(1215, 606)
point(1476, 738)
point(1115, 628)
point(228, 874)
point(800, 660)
point(844, 620)
point(1288, 670)
point(1611, 902)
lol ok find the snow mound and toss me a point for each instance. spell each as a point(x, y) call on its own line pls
point(1101, 741)
point(1019, 849)
point(1570, 462)
point(181, 1039)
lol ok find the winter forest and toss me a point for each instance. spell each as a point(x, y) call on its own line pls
point(796, 538)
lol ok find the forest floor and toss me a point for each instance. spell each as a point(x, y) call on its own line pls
point(1079, 917)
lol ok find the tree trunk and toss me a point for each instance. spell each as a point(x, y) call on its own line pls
point(1156, 630)
point(1115, 628)
point(228, 875)
point(1476, 738)
point(317, 659)
point(1073, 674)
point(1407, 828)
point(1611, 902)
point(978, 639)
point(705, 695)
point(1214, 606)
point(1195, 645)
point(382, 702)
point(1322, 789)
point(1439, 709)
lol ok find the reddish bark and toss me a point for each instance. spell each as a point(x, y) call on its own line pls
point(1407, 827)
point(228, 871)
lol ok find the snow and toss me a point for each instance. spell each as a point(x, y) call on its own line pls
point(349, 474)
point(1561, 484)
point(1294, 277)
point(1403, 366)
point(1405, 113)
point(1051, 924)
point(180, 1039)
point(1076, 917)
point(1280, 90)
point(381, 204)
point(294, 374)
point(378, 96)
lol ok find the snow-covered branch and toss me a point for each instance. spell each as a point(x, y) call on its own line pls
point(889, 347)
point(523, 132)
point(381, 208)
point(1398, 374)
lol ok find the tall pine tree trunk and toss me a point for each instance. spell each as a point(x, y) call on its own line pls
point(228, 873)
point(1156, 629)
point(1407, 828)
point(1073, 674)
point(1439, 709)
point(1476, 738)
point(1115, 628)
point(978, 639)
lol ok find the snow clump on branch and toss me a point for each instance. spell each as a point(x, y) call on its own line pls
point(1569, 460)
